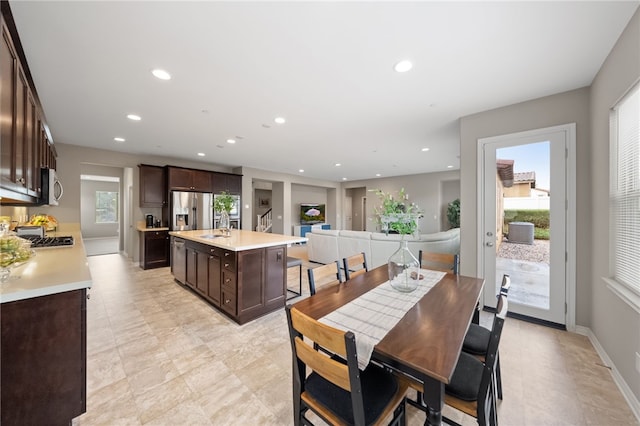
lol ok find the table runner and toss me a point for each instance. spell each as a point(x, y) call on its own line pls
point(372, 315)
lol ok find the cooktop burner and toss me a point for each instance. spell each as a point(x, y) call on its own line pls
point(39, 242)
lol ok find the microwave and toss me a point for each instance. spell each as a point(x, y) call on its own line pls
point(51, 187)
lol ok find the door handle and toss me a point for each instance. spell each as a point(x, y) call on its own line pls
point(489, 244)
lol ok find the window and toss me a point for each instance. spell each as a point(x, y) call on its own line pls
point(106, 207)
point(625, 194)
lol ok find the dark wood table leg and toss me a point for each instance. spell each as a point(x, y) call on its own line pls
point(433, 397)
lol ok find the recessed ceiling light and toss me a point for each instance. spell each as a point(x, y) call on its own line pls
point(119, 139)
point(231, 141)
point(201, 154)
point(301, 170)
point(449, 167)
point(134, 117)
point(403, 66)
point(344, 178)
point(280, 120)
point(338, 164)
point(378, 175)
point(425, 149)
point(161, 74)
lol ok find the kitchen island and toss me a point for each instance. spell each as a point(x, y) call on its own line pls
point(44, 336)
point(243, 274)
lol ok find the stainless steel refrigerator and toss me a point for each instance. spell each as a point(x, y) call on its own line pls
point(191, 210)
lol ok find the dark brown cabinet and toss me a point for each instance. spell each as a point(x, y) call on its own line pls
point(26, 146)
point(154, 249)
point(44, 362)
point(244, 284)
point(227, 182)
point(180, 179)
point(153, 186)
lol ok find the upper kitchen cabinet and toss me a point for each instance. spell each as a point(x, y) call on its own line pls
point(153, 186)
point(227, 182)
point(181, 179)
point(24, 136)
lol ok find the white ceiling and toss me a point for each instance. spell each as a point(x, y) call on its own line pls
point(327, 67)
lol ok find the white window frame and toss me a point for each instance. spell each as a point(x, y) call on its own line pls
point(624, 275)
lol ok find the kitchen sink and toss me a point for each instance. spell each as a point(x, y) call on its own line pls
point(212, 236)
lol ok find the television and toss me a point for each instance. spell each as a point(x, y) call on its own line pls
point(311, 213)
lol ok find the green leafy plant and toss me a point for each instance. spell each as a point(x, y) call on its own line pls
point(396, 214)
point(223, 202)
point(453, 213)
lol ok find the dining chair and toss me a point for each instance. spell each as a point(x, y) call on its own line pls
point(446, 262)
point(322, 275)
point(355, 265)
point(476, 341)
point(335, 389)
point(471, 388)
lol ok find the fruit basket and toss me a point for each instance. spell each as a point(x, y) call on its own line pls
point(14, 252)
point(49, 222)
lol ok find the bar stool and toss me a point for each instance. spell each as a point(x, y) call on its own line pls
point(293, 262)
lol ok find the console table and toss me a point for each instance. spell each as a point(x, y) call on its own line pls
point(301, 230)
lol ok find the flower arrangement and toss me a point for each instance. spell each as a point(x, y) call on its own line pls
point(223, 202)
point(396, 215)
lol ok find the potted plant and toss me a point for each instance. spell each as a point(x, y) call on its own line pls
point(223, 203)
point(397, 215)
point(453, 213)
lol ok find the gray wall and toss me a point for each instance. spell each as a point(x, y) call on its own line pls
point(563, 108)
point(75, 160)
point(424, 189)
point(614, 323)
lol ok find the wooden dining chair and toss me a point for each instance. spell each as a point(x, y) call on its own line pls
point(355, 265)
point(476, 341)
point(335, 389)
point(323, 275)
point(446, 262)
point(471, 388)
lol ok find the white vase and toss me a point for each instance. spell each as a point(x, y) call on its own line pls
point(404, 269)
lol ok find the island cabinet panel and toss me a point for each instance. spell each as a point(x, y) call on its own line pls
point(44, 363)
point(275, 276)
point(192, 266)
point(202, 272)
point(244, 284)
point(251, 274)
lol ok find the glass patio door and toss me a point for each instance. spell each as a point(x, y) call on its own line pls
point(523, 223)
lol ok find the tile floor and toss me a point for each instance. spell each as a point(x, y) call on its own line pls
point(159, 355)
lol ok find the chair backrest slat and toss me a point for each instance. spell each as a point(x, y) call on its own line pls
point(322, 275)
point(446, 262)
point(355, 265)
point(334, 371)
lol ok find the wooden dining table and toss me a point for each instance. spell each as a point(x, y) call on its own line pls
point(426, 343)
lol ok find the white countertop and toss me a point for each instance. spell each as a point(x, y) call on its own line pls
point(142, 227)
point(239, 240)
point(52, 270)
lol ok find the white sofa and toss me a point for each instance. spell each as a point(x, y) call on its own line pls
point(325, 246)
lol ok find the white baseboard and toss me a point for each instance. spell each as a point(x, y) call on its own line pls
point(633, 402)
